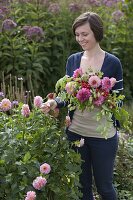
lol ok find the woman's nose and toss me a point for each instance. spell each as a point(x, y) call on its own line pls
point(80, 38)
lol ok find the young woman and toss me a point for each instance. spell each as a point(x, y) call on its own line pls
point(97, 152)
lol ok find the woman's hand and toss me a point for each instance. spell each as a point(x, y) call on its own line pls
point(49, 105)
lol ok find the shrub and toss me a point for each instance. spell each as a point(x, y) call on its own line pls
point(29, 139)
point(124, 168)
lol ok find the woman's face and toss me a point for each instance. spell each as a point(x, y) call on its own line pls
point(85, 37)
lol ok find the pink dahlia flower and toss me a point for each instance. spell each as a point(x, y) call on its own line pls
point(113, 82)
point(31, 195)
point(5, 104)
point(70, 87)
point(38, 101)
point(83, 94)
point(45, 168)
point(99, 101)
point(25, 111)
point(39, 182)
point(77, 73)
point(94, 81)
point(106, 83)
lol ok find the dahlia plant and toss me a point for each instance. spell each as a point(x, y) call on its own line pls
point(35, 159)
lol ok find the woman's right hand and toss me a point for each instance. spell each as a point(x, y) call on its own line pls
point(49, 105)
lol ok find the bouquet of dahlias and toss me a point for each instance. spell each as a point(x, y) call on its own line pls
point(90, 90)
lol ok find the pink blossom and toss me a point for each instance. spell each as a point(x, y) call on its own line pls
point(5, 104)
point(25, 111)
point(38, 101)
point(70, 87)
point(45, 168)
point(83, 94)
point(94, 81)
point(113, 82)
point(99, 101)
point(67, 121)
point(31, 195)
point(77, 73)
point(39, 182)
point(106, 83)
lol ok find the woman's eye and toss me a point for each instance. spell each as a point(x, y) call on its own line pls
point(85, 34)
point(82, 35)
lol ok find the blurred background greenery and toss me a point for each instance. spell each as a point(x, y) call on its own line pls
point(39, 56)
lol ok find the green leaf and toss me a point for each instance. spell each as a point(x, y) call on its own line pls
point(27, 157)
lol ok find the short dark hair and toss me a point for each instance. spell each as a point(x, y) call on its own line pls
point(94, 21)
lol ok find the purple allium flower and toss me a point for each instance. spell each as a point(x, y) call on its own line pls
point(1, 14)
point(54, 8)
point(95, 2)
point(4, 10)
point(8, 25)
point(83, 94)
point(74, 7)
point(15, 103)
point(33, 32)
point(117, 15)
point(25, 28)
point(109, 3)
